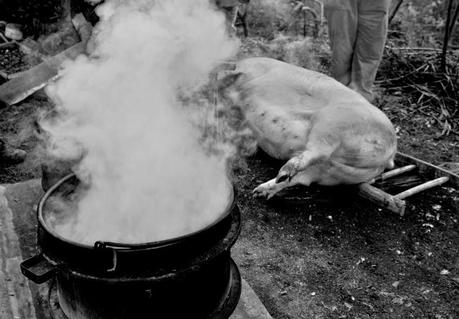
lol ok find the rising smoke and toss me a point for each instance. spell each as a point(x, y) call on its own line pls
point(119, 109)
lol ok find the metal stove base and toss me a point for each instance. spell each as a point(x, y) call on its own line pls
point(223, 311)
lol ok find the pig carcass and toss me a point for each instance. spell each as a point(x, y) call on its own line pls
point(327, 133)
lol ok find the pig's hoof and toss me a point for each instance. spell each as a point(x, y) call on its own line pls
point(265, 190)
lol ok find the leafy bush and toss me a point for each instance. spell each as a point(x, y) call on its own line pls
point(266, 18)
point(313, 54)
point(419, 23)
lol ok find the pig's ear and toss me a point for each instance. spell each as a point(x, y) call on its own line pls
point(227, 78)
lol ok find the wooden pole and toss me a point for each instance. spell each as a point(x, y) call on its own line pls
point(393, 173)
point(447, 35)
point(381, 198)
point(454, 19)
point(394, 12)
point(436, 182)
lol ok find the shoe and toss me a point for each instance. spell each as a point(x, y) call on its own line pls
point(10, 155)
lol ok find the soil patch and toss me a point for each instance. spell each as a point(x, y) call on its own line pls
point(17, 127)
point(324, 253)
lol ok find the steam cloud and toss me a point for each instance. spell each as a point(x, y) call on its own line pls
point(119, 109)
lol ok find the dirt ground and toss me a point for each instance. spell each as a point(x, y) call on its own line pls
point(323, 252)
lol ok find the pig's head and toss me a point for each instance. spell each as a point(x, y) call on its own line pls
point(227, 84)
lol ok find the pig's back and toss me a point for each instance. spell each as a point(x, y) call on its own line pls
point(285, 104)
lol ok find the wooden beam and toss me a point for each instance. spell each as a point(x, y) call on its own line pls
point(447, 35)
point(394, 12)
point(382, 198)
point(427, 169)
point(393, 173)
point(15, 296)
point(32, 80)
point(420, 188)
point(396, 203)
point(454, 19)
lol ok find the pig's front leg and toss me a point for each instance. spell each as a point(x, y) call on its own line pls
point(275, 185)
point(283, 180)
point(298, 170)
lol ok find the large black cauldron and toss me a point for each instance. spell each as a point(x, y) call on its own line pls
point(192, 276)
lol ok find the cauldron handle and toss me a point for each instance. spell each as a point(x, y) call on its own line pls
point(38, 269)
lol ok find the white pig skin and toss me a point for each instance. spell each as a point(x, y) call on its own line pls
point(328, 133)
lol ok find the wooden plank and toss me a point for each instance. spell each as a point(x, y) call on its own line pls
point(16, 298)
point(22, 198)
point(18, 88)
point(250, 306)
point(5, 306)
point(428, 170)
point(30, 81)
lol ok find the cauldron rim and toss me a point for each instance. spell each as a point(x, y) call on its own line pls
point(126, 246)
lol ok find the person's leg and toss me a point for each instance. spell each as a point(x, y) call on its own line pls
point(242, 15)
point(229, 8)
point(369, 46)
point(342, 29)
